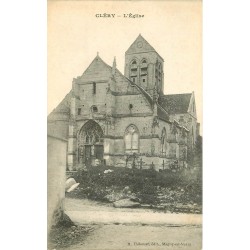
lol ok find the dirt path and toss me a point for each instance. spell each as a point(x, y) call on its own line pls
point(133, 229)
point(90, 212)
point(134, 237)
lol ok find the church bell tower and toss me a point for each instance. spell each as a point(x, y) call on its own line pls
point(144, 66)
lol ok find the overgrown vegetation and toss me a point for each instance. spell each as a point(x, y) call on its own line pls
point(61, 236)
point(184, 186)
point(166, 188)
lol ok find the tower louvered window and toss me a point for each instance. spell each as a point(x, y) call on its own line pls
point(133, 71)
point(158, 75)
point(144, 72)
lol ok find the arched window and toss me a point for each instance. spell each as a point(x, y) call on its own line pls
point(91, 133)
point(158, 74)
point(163, 141)
point(173, 133)
point(133, 71)
point(90, 142)
point(143, 65)
point(143, 72)
point(131, 139)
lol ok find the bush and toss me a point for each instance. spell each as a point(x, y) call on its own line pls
point(95, 185)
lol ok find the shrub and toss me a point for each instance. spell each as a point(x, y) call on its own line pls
point(94, 184)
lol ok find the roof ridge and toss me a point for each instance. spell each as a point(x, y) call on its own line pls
point(148, 43)
point(63, 100)
point(140, 36)
point(152, 49)
point(146, 94)
point(99, 58)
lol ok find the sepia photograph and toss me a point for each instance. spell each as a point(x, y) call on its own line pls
point(124, 125)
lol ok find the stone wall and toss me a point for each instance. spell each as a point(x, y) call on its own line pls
point(56, 157)
point(139, 105)
point(58, 128)
point(88, 98)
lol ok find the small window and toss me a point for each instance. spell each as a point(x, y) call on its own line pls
point(130, 106)
point(94, 109)
point(79, 111)
point(143, 80)
point(94, 88)
point(134, 62)
point(144, 61)
point(133, 79)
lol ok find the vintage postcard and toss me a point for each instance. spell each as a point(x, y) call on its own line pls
point(124, 125)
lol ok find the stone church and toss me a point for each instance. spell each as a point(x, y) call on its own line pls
point(126, 119)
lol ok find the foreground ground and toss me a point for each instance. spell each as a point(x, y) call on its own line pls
point(83, 211)
point(124, 228)
point(131, 237)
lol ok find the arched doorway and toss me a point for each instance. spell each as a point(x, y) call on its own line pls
point(90, 143)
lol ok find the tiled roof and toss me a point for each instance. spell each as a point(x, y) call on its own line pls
point(175, 104)
point(162, 114)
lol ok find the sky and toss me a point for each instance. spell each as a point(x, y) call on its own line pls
point(75, 35)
